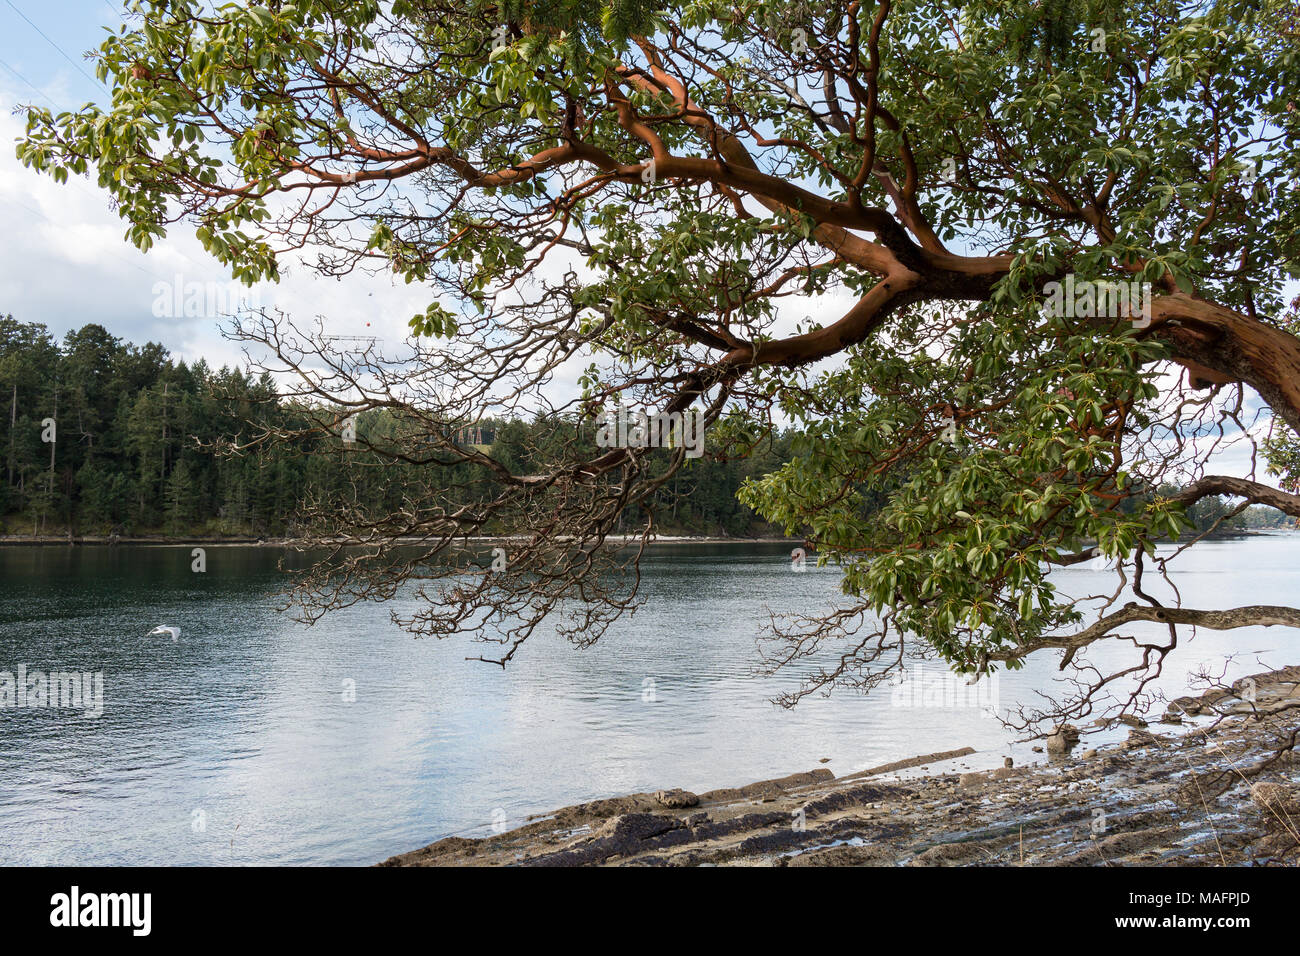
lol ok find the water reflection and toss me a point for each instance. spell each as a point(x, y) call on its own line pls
point(238, 744)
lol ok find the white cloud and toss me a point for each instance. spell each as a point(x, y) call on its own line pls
point(64, 262)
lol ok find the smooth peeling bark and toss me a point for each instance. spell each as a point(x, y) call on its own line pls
point(1220, 345)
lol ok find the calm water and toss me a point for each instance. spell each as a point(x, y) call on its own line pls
point(235, 745)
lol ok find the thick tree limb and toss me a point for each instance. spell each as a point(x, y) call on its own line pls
point(1252, 491)
point(1254, 615)
point(1237, 347)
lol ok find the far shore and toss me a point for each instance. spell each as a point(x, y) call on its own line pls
point(281, 542)
point(250, 541)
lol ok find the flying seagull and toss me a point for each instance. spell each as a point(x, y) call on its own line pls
point(163, 629)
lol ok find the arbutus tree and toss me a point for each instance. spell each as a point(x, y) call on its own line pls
point(1046, 245)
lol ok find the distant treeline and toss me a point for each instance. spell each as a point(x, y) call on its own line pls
point(135, 436)
point(134, 450)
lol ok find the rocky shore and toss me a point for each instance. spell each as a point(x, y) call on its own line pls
point(1209, 785)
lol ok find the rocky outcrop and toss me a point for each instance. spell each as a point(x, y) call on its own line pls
point(1276, 799)
point(1150, 800)
point(676, 799)
point(1272, 692)
point(1063, 740)
point(1279, 807)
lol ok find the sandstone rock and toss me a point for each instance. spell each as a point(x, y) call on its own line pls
point(618, 836)
point(1277, 843)
point(969, 781)
point(1008, 762)
point(1139, 844)
point(846, 856)
point(676, 799)
point(1141, 738)
point(949, 854)
point(1132, 720)
point(1277, 800)
point(630, 827)
point(726, 794)
point(769, 794)
point(1065, 737)
point(1183, 706)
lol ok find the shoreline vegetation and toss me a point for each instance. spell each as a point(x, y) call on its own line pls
point(102, 438)
point(1214, 786)
point(281, 542)
point(87, 539)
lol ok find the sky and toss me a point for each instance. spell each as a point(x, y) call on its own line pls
point(64, 261)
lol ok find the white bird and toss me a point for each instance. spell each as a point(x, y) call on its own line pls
point(163, 629)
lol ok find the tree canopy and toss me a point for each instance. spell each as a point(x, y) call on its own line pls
point(658, 191)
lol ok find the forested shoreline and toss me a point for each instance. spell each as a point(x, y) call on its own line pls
point(136, 438)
